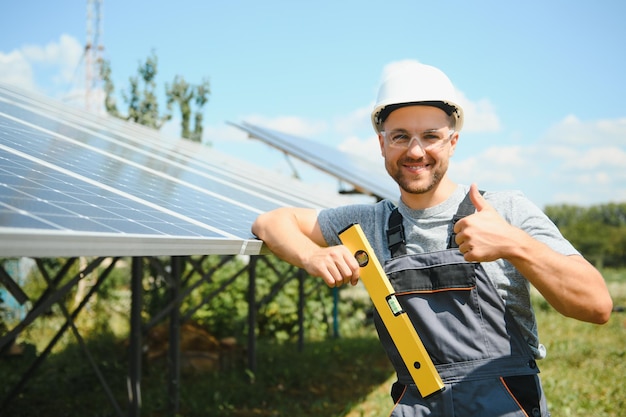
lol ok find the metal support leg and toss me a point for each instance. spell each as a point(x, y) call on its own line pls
point(174, 339)
point(134, 371)
point(336, 312)
point(301, 302)
point(252, 314)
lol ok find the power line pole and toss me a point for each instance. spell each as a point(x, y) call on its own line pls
point(93, 57)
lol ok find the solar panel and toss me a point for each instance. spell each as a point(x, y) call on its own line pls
point(137, 139)
point(76, 184)
point(366, 176)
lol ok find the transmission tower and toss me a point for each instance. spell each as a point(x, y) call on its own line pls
point(93, 57)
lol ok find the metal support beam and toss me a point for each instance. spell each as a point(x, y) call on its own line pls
point(301, 303)
point(48, 298)
point(12, 287)
point(69, 322)
point(134, 369)
point(252, 314)
point(336, 313)
point(174, 339)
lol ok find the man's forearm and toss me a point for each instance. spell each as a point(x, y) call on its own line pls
point(569, 283)
point(290, 233)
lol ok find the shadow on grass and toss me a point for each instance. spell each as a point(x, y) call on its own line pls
point(328, 378)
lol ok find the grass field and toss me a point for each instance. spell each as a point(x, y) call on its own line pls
point(583, 375)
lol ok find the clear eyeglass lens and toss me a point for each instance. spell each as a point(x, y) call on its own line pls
point(427, 140)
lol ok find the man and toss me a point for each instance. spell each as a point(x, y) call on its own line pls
point(461, 262)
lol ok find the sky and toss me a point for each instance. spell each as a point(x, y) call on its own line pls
point(541, 82)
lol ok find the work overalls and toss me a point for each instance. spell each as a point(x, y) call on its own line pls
point(486, 365)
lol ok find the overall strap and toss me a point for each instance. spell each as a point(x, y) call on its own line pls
point(395, 234)
point(396, 241)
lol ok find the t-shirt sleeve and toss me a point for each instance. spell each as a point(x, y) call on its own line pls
point(334, 220)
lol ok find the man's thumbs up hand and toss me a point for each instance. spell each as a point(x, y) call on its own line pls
point(477, 198)
point(484, 235)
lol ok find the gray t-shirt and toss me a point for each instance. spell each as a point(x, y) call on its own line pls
point(428, 230)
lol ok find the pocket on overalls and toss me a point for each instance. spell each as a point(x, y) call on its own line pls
point(442, 303)
point(493, 397)
point(411, 404)
point(397, 391)
point(526, 392)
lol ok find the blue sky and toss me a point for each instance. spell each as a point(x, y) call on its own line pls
point(542, 82)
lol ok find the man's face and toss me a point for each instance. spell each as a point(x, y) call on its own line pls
point(421, 166)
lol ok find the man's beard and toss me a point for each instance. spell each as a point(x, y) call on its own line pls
point(410, 184)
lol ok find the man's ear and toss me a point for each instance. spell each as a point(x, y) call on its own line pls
point(453, 142)
point(381, 142)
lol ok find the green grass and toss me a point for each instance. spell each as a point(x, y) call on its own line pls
point(583, 375)
point(584, 372)
point(328, 378)
point(585, 368)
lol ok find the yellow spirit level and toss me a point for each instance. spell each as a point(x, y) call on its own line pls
point(398, 324)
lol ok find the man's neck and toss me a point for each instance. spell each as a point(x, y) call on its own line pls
point(434, 197)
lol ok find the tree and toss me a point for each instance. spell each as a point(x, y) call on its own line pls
point(143, 106)
point(110, 104)
point(598, 232)
point(185, 95)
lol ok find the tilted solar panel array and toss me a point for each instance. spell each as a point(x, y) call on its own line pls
point(76, 184)
point(367, 176)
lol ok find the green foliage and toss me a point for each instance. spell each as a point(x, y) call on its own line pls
point(3, 311)
point(277, 302)
point(143, 106)
point(142, 101)
point(598, 232)
point(110, 104)
point(188, 96)
point(216, 297)
point(220, 302)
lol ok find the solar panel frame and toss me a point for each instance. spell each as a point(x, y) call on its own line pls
point(55, 243)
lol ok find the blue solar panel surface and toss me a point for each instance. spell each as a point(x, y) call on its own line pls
point(72, 183)
point(364, 174)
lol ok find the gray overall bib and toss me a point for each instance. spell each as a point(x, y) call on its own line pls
point(486, 365)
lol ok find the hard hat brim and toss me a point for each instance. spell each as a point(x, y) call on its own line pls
point(380, 114)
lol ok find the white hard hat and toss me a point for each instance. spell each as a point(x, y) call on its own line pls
point(416, 84)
